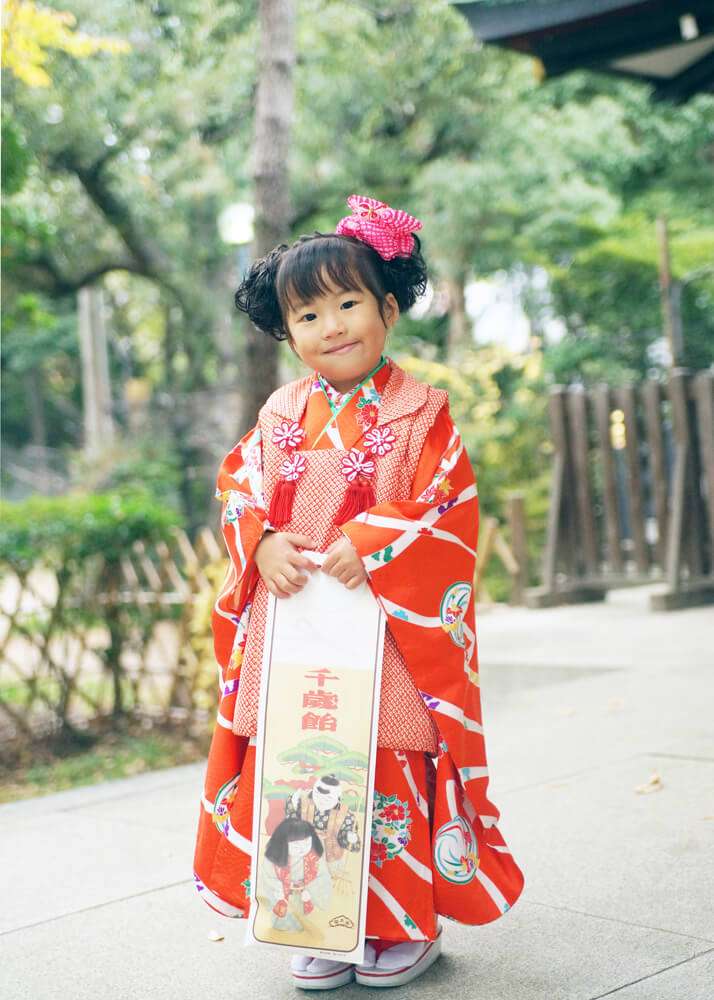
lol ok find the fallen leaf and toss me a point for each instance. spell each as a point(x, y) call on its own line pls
point(653, 785)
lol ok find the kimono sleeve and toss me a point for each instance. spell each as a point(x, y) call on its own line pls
point(239, 487)
point(420, 557)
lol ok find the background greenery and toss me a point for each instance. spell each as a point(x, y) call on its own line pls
point(127, 129)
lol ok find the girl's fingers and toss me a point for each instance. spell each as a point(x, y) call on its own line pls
point(285, 584)
point(303, 541)
point(328, 565)
point(303, 562)
point(294, 576)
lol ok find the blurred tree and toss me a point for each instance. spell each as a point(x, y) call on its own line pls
point(273, 211)
point(30, 30)
point(120, 168)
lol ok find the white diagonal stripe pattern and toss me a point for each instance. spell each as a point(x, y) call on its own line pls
point(416, 866)
point(394, 908)
point(396, 610)
point(454, 712)
point(469, 773)
point(411, 528)
point(223, 721)
point(493, 890)
point(238, 840)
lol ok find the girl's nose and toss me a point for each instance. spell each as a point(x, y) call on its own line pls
point(335, 324)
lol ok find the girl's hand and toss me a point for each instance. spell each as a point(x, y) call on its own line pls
point(280, 563)
point(344, 563)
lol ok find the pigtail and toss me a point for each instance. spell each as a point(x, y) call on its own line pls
point(257, 295)
point(405, 277)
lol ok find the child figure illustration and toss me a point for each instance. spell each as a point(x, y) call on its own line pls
point(296, 876)
point(362, 462)
point(335, 823)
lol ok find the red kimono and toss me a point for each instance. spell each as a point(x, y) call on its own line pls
point(435, 845)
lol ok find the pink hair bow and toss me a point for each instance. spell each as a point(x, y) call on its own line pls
point(387, 230)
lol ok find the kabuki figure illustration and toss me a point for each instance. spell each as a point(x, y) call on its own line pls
point(334, 821)
point(296, 878)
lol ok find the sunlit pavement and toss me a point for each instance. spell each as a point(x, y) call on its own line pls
point(601, 752)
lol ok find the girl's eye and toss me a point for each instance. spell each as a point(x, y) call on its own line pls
point(307, 317)
point(349, 302)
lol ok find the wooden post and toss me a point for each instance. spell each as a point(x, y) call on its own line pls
point(519, 546)
point(652, 395)
point(577, 410)
point(562, 542)
point(555, 519)
point(686, 522)
point(626, 399)
point(704, 396)
point(488, 528)
point(696, 529)
point(670, 296)
point(601, 397)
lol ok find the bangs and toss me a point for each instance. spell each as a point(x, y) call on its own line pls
point(319, 266)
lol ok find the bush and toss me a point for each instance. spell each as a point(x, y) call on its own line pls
point(64, 532)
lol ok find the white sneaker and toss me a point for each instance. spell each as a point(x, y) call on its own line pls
point(400, 964)
point(320, 973)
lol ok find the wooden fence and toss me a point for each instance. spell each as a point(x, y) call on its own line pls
point(632, 496)
point(136, 645)
point(139, 645)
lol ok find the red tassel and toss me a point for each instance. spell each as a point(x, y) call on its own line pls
point(281, 505)
point(359, 496)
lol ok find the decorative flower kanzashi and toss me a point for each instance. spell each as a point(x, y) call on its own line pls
point(293, 467)
point(387, 230)
point(288, 435)
point(380, 440)
point(356, 463)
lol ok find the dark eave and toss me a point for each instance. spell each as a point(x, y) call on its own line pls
point(643, 40)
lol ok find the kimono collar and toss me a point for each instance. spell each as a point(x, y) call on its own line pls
point(376, 380)
point(401, 395)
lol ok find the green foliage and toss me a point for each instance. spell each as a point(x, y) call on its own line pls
point(112, 755)
point(498, 401)
point(125, 162)
point(15, 157)
point(64, 532)
point(608, 342)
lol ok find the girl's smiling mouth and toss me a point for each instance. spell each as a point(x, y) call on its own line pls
point(343, 349)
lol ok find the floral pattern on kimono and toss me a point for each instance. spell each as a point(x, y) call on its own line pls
point(475, 878)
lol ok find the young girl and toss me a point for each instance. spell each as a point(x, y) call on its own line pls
point(360, 461)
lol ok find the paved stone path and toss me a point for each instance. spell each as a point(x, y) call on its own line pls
point(581, 706)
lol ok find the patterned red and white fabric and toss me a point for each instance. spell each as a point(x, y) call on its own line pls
point(418, 545)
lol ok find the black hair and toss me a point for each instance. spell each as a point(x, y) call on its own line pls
point(292, 828)
point(289, 275)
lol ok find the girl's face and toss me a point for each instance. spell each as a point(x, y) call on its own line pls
point(299, 848)
point(341, 334)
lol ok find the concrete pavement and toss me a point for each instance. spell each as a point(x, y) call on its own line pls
point(582, 705)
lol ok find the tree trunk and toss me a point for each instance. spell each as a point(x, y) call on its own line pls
point(459, 322)
point(32, 380)
point(96, 390)
point(271, 144)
